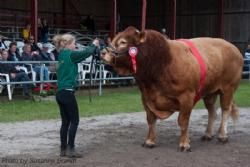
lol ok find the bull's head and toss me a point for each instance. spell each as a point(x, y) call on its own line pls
point(117, 53)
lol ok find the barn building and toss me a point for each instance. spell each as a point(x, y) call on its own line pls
point(228, 19)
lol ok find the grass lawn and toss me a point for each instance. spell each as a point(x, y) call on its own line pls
point(116, 100)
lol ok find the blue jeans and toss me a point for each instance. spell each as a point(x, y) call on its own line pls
point(22, 76)
point(42, 70)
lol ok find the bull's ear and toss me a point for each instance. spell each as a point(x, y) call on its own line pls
point(141, 37)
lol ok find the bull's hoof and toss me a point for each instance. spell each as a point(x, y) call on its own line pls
point(184, 149)
point(206, 138)
point(223, 140)
point(148, 144)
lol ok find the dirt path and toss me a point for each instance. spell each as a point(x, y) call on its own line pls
point(115, 141)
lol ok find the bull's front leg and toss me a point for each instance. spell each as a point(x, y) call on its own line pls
point(186, 103)
point(151, 119)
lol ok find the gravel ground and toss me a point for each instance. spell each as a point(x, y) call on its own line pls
point(115, 141)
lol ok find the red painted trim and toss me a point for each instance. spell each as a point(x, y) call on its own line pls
point(34, 15)
point(173, 19)
point(113, 19)
point(64, 11)
point(144, 12)
point(221, 18)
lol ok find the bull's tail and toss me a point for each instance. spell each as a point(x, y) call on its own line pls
point(234, 112)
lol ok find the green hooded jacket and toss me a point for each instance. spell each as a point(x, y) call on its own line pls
point(67, 69)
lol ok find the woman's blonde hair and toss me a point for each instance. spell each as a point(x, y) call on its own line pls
point(61, 41)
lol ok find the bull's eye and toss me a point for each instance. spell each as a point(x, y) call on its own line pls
point(123, 42)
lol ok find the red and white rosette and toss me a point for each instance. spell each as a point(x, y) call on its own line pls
point(133, 51)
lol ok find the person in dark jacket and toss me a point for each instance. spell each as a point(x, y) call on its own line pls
point(90, 24)
point(15, 74)
point(2, 44)
point(67, 82)
point(48, 56)
point(28, 55)
point(55, 53)
point(34, 46)
point(14, 54)
point(44, 30)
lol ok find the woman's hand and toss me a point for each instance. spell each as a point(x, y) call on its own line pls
point(13, 75)
point(96, 42)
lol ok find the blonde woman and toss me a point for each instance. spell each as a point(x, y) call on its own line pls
point(67, 81)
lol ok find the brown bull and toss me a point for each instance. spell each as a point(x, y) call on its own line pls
point(169, 77)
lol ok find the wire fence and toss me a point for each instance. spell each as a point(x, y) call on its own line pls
point(97, 80)
point(246, 69)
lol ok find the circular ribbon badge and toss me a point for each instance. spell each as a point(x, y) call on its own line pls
point(133, 51)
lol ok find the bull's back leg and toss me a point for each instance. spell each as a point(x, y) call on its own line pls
point(209, 102)
point(226, 102)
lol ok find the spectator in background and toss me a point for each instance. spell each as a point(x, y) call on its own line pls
point(247, 56)
point(246, 67)
point(247, 52)
point(48, 56)
point(89, 23)
point(1, 79)
point(34, 47)
point(2, 45)
point(26, 33)
point(29, 55)
point(13, 54)
point(55, 53)
point(15, 74)
point(39, 30)
point(44, 30)
point(82, 23)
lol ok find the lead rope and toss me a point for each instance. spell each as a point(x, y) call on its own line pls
point(90, 80)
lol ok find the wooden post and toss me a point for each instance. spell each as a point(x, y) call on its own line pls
point(173, 19)
point(64, 21)
point(34, 15)
point(144, 13)
point(221, 19)
point(113, 19)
